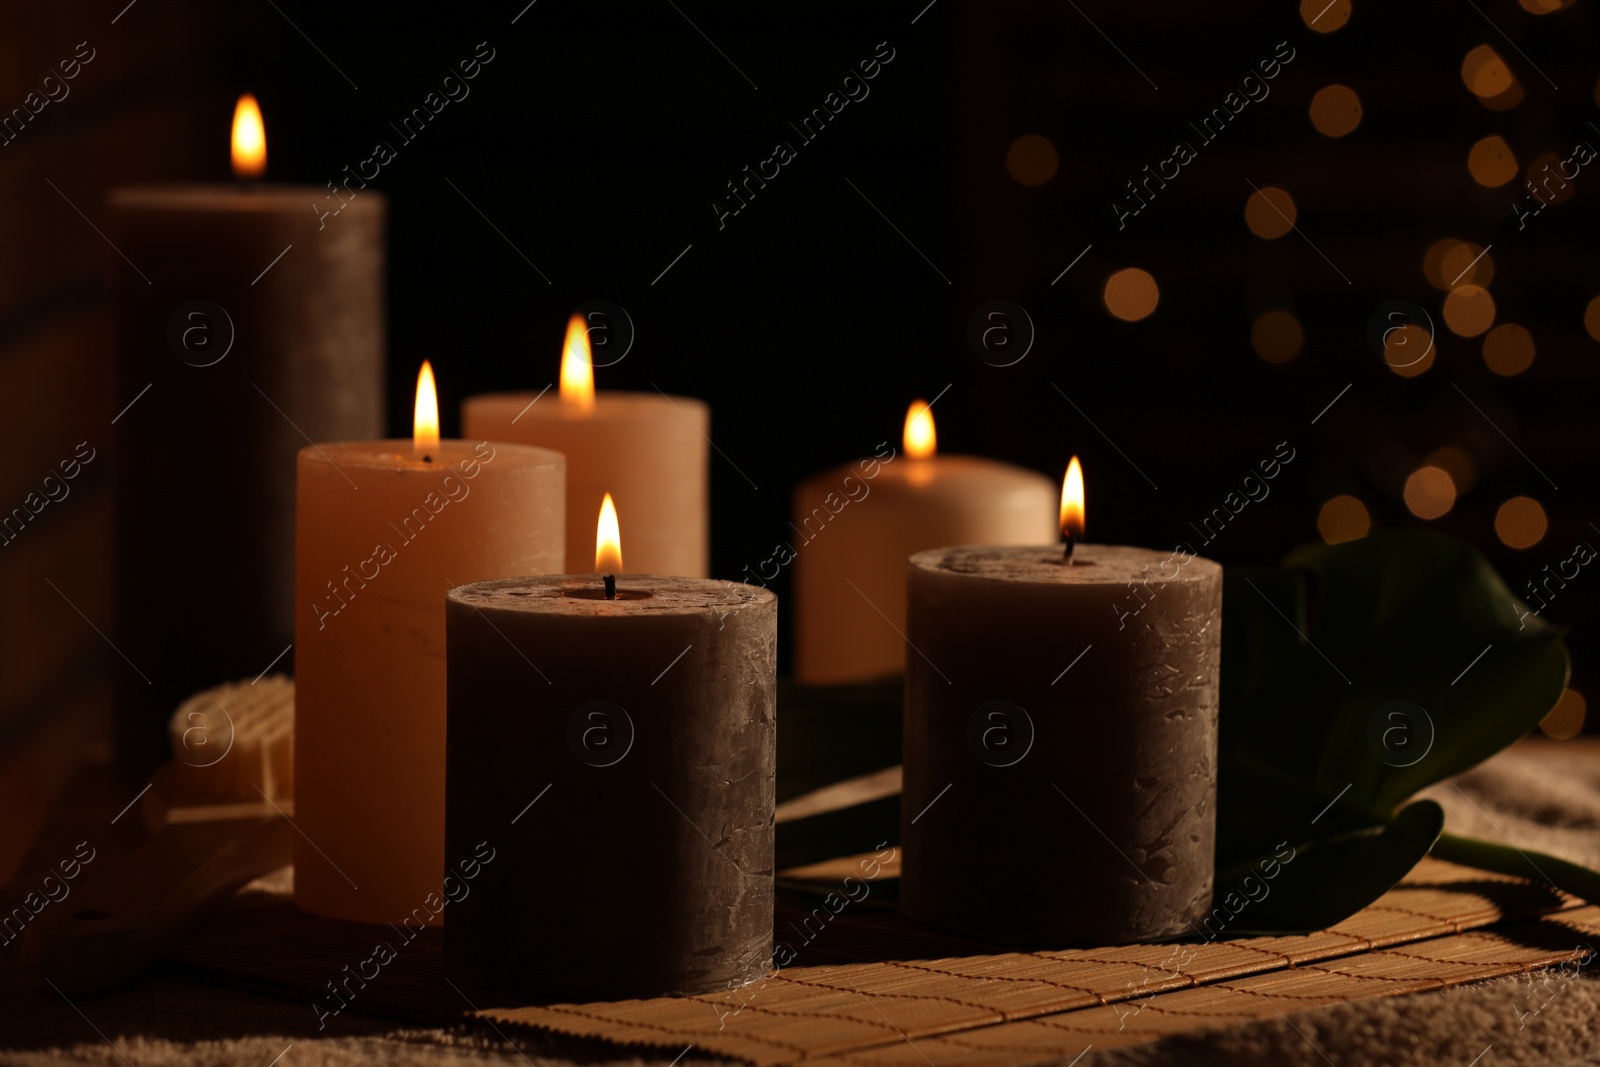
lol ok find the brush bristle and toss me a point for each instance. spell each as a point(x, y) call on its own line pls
point(230, 741)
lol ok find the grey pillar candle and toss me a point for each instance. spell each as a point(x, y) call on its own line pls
point(618, 757)
point(254, 331)
point(1060, 742)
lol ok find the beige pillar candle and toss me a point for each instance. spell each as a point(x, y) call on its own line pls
point(856, 525)
point(383, 530)
point(1061, 742)
point(650, 451)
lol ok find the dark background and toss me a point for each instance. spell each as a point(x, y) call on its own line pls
point(599, 136)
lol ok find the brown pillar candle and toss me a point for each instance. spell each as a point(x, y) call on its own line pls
point(247, 330)
point(1060, 742)
point(617, 757)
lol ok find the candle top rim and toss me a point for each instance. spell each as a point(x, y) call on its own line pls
point(237, 195)
point(1096, 564)
point(396, 453)
point(616, 400)
point(546, 595)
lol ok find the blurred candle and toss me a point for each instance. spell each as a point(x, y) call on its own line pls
point(243, 325)
point(856, 525)
point(383, 530)
point(649, 450)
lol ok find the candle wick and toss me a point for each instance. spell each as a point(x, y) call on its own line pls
point(1070, 542)
point(611, 585)
point(427, 458)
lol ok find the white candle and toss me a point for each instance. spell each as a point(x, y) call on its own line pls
point(383, 530)
point(856, 525)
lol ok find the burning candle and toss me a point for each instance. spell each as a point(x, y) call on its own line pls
point(383, 530)
point(1061, 727)
point(856, 525)
point(612, 740)
point(242, 327)
point(649, 450)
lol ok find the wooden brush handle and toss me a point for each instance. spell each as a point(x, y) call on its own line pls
point(118, 922)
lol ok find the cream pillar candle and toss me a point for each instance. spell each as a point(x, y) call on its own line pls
point(856, 525)
point(383, 530)
point(650, 451)
point(1060, 742)
point(627, 793)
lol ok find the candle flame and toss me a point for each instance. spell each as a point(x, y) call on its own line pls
point(1072, 502)
point(920, 440)
point(608, 540)
point(425, 419)
point(249, 139)
point(577, 372)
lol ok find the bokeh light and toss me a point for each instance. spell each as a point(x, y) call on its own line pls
point(1544, 7)
point(1469, 310)
point(1508, 349)
point(1032, 160)
point(1325, 16)
point(1491, 162)
point(1408, 350)
point(1430, 492)
point(1131, 294)
point(1454, 461)
point(1270, 212)
point(1485, 73)
point(1591, 318)
point(1343, 518)
point(1566, 718)
point(1520, 522)
point(1450, 262)
point(1545, 174)
point(1277, 336)
point(1336, 111)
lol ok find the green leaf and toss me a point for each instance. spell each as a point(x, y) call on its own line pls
point(1331, 879)
point(1315, 659)
point(1521, 863)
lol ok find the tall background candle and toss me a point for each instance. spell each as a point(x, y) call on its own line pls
point(1061, 736)
point(854, 530)
point(245, 331)
point(650, 451)
point(383, 530)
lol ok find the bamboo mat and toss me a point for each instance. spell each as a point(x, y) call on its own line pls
point(869, 988)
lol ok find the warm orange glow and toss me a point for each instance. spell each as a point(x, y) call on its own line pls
point(1469, 310)
point(1270, 213)
point(1131, 294)
point(1566, 718)
point(1508, 349)
point(1325, 17)
point(920, 440)
point(249, 139)
point(577, 372)
point(1491, 162)
point(1032, 160)
point(1277, 336)
point(425, 417)
point(1591, 318)
point(1485, 73)
point(1343, 518)
point(1335, 110)
point(1521, 522)
point(1072, 502)
point(607, 540)
point(1430, 492)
